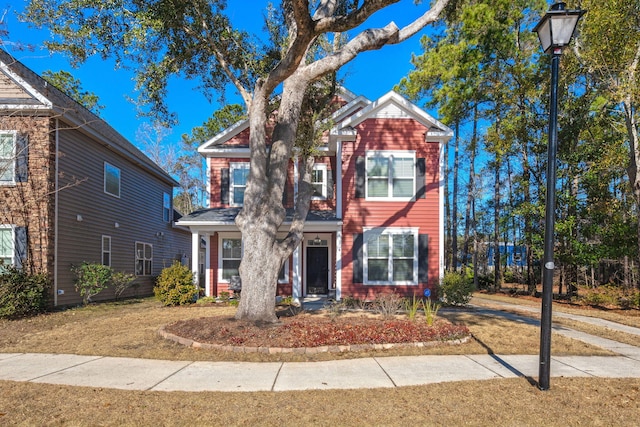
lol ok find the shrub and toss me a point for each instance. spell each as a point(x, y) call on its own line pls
point(22, 294)
point(121, 281)
point(455, 289)
point(175, 285)
point(388, 304)
point(91, 279)
point(206, 300)
point(412, 306)
point(430, 311)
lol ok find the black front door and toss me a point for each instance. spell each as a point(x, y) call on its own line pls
point(317, 270)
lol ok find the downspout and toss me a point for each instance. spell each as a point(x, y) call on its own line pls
point(55, 219)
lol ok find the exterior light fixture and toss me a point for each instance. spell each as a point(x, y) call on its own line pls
point(555, 31)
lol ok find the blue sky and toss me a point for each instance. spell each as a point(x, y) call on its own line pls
point(372, 74)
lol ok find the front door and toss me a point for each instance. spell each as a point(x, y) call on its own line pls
point(317, 270)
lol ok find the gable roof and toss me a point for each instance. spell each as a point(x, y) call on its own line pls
point(26, 91)
point(393, 105)
point(217, 143)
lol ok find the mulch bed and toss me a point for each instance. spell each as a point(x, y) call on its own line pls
point(315, 331)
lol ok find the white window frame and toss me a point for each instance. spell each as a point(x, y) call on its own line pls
point(232, 185)
point(221, 259)
point(371, 232)
point(106, 250)
point(389, 155)
point(235, 236)
point(12, 242)
point(166, 207)
point(11, 161)
point(144, 259)
point(108, 165)
point(322, 167)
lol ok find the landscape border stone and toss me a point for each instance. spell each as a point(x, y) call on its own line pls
point(303, 350)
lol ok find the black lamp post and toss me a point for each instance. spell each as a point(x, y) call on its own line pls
point(554, 31)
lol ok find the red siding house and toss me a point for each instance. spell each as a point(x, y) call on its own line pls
point(376, 219)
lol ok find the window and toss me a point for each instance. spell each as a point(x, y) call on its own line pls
point(238, 175)
point(166, 207)
point(111, 180)
point(7, 157)
point(106, 250)
point(13, 245)
point(390, 256)
point(6, 245)
point(319, 181)
point(390, 175)
point(144, 259)
point(231, 256)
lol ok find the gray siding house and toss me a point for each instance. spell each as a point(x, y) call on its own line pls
point(72, 189)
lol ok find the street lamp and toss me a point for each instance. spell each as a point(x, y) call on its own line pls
point(554, 31)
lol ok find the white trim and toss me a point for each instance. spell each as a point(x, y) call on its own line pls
point(46, 103)
point(338, 295)
point(12, 159)
point(143, 258)
point(389, 154)
point(310, 236)
point(338, 195)
point(323, 168)
point(195, 259)
point(104, 173)
point(232, 167)
point(207, 264)
point(378, 231)
point(56, 215)
point(12, 240)
point(221, 237)
point(441, 188)
point(109, 251)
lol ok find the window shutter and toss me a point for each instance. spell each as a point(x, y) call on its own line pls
point(360, 176)
point(285, 192)
point(423, 261)
point(22, 158)
point(20, 247)
point(224, 186)
point(329, 184)
point(420, 178)
point(358, 259)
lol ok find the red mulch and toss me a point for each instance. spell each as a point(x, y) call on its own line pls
point(307, 330)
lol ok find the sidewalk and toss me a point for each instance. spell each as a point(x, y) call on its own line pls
point(164, 375)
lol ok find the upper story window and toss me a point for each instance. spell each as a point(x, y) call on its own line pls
point(166, 207)
point(7, 157)
point(391, 256)
point(390, 175)
point(238, 175)
point(319, 181)
point(111, 179)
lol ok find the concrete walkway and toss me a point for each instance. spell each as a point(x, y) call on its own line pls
point(164, 375)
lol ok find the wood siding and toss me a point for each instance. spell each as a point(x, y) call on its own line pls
point(137, 216)
point(390, 134)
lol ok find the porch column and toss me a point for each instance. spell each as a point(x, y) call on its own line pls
point(339, 264)
point(195, 258)
point(297, 282)
point(207, 265)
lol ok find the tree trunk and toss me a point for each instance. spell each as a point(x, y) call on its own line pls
point(634, 152)
point(454, 201)
point(470, 187)
point(497, 281)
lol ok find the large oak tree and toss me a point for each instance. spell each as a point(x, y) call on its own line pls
point(194, 39)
